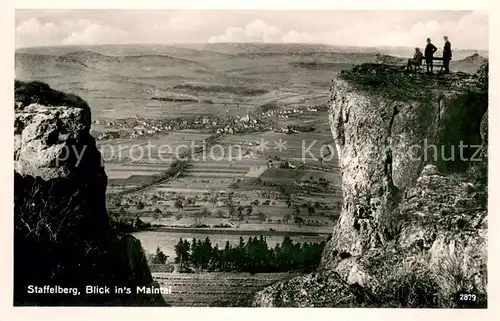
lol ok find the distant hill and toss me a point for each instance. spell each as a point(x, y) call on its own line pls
point(31, 66)
point(41, 65)
point(474, 59)
point(84, 56)
point(33, 59)
point(118, 74)
point(87, 56)
point(389, 60)
point(469, 64)
point(186, 52)
point(159, 58)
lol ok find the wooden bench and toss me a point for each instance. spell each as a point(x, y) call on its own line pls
point(434, 59)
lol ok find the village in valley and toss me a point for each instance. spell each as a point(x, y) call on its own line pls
point(249, 183)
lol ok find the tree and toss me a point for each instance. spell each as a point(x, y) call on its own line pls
point(158, 214)
point(140, 205)
point(179, 203)
point(296, 210)
point(287, 217)
point(213, 198)
point(298, 220)
point(138, 224)
point(249, 210)
point(286, 195)
point(311, 210)
point(262, 216)
point(182, 252)
point(255, 203)
point(229, 202)
point(190, 201)
point(151, 258)
point(156, 217)
point(206, 252)
point(160, 257)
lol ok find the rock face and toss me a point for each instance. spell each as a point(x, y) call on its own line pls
point(62, 232)
point(383, 145)
point(414, 207)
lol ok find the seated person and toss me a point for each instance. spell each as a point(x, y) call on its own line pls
point(416, 61)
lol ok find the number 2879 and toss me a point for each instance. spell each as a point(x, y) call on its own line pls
point(467, 297)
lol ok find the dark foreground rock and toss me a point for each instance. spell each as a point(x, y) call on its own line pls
point(62, 233)
point(413, 227)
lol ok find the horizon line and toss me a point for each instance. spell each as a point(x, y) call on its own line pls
point(238, 43)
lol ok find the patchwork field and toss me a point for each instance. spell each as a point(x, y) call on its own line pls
point(126, 161)
point(239, 165)
point(214, 289)
point(300, 147)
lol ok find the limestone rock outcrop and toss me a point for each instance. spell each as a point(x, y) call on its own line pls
point(62, 233)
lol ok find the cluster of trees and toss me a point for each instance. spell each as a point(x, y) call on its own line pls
point(179, 202)
point(299, 129)
point(158, 257)
point(125, 222)
point(157, 262)
point(253, 256)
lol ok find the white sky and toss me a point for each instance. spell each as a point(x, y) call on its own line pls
point(466, 29)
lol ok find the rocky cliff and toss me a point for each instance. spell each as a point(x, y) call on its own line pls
point(413, 227)
point(62, 233)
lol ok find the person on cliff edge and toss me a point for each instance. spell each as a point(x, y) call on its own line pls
point(416, 60)
point(430, 49)
point(446, 55)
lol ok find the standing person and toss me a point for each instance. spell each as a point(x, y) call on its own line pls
point(430, 49)
point(446, 54)
point(416, 61)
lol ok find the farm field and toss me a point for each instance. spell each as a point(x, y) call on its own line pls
point(145, 156)
point(217, 173)
point(327, 204)
point(214, 289)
